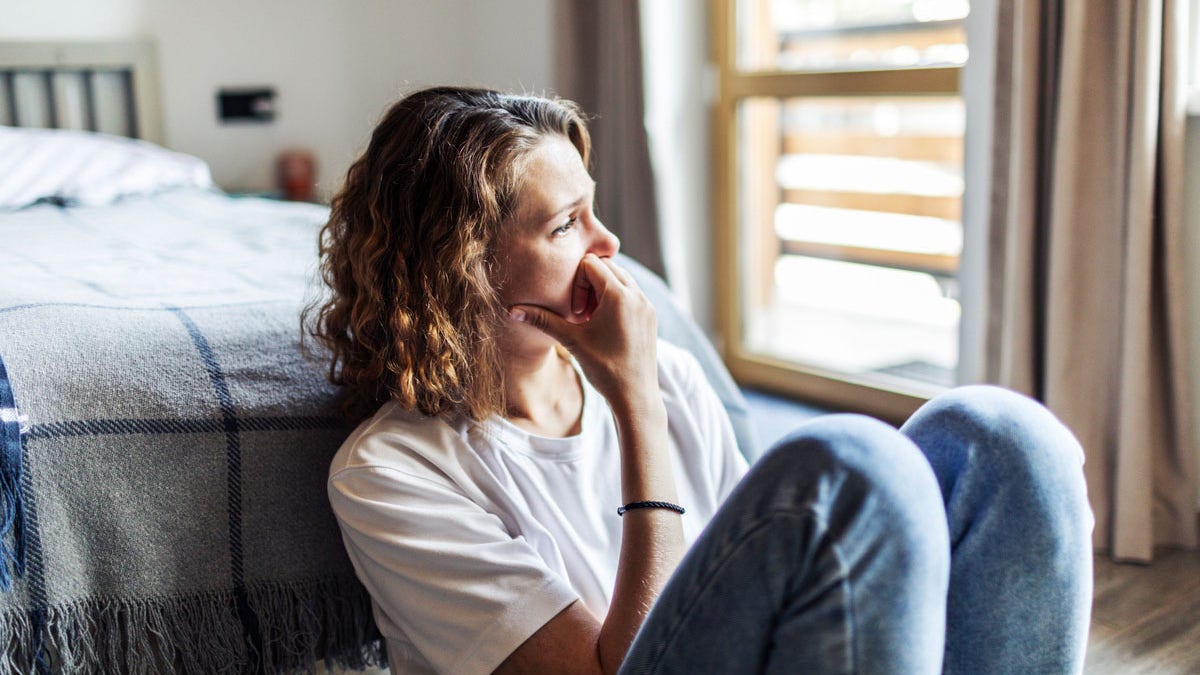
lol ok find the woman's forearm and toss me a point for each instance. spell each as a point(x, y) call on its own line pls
point(651, 539)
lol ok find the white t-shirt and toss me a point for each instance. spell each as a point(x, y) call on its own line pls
point(470, 537)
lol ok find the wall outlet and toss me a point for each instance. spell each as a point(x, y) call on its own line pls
point(246, 105)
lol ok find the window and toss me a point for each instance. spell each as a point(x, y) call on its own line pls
point(838, 138)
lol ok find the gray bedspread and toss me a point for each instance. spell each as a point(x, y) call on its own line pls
point(165, 446)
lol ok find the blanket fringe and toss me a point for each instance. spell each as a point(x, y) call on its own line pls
point(301, 624)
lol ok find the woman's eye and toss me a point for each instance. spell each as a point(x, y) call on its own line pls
point(565, 227)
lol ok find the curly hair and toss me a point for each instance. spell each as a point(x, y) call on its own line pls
point(411, 313)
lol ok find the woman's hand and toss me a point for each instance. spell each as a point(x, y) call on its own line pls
point(612, 332)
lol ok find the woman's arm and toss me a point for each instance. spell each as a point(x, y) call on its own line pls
point(616, 348)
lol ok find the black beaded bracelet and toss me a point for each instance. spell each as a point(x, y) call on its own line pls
point(649, 505)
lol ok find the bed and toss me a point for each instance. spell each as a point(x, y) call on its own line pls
point(165, 442)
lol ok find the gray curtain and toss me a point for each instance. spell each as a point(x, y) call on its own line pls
point(1085, 250)
point(599, 65)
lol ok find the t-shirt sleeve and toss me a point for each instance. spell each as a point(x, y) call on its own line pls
point(464, 591)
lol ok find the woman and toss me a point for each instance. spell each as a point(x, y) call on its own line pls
point(512, 395)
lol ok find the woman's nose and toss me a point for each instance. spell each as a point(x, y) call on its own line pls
point(605, 244)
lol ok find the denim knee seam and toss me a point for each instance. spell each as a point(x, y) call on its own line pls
point(848, 607)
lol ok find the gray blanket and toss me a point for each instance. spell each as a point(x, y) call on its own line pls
point(166, 446)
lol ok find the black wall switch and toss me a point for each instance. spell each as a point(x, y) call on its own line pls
point(246, 105)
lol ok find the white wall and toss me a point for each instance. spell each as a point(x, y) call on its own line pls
point(335, 65)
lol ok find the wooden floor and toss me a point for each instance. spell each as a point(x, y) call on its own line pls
point(1146, 619)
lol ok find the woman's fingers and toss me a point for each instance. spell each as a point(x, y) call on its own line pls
point(593, 278)
point(620, 272)
point(581, 291)
point(546, 321)
point(599, 272)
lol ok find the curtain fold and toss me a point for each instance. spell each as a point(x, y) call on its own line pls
point(599, 65)
point(1086, 304)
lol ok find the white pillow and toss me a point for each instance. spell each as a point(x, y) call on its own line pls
point(86, 168)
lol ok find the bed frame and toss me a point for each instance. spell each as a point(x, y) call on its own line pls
point(110, 87)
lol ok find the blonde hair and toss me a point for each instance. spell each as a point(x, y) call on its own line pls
point(412, 314)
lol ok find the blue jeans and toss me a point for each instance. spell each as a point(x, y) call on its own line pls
point(961, 543)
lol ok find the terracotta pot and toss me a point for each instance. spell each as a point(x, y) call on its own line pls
point(297, 175)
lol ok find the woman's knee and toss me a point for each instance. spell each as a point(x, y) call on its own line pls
point(1011, 431)
point(853, 463)
point(994, 438)
point(839, 442)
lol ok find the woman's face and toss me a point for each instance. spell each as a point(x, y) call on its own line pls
point(551, 230)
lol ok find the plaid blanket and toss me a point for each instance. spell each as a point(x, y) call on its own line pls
point(165, 446)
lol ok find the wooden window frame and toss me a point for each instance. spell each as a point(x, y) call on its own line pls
point(823, 387)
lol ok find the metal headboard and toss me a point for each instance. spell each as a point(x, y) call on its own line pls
point(98, 86)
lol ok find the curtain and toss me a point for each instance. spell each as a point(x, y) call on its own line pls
point(599, 66)
point(1086, 296)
